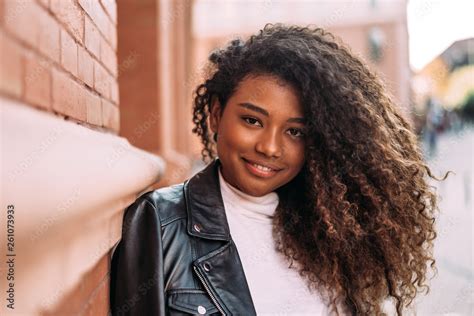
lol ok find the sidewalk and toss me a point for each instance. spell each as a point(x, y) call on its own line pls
point(452, 290)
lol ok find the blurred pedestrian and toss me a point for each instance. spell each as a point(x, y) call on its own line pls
point(432, 127)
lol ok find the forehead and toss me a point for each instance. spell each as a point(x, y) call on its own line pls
point(270, 93)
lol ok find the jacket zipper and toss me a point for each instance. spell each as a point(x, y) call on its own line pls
point(213, 298)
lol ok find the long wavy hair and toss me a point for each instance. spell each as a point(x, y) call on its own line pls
point(358, 221)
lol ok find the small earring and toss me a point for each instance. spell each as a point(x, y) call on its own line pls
point(215, 137)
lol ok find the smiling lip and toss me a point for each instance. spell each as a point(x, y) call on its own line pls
point(258, 172)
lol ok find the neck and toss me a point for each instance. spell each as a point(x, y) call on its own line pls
point(256, 207)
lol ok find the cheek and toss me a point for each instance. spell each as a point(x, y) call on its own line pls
point(237, 136)
point(297, 151)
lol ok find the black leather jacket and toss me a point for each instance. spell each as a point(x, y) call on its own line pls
point(176, 256)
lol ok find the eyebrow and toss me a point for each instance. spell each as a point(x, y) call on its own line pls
point(258, 109)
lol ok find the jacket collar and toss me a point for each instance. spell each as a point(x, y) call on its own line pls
point(206, 212)
point(205, 206)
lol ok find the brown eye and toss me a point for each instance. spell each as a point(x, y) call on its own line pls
point(251, 121)
point(296, 132)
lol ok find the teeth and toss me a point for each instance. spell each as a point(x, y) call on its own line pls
point(262, 168)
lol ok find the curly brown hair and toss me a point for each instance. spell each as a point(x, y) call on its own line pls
point(358, 220)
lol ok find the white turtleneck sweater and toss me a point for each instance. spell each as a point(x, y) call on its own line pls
point(275, 288)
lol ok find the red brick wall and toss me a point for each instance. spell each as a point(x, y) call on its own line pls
point(60, 56)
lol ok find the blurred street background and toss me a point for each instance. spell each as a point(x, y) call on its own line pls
point(452, 290)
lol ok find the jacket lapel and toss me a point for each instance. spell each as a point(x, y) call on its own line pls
point(204, 204)
point(221, 269)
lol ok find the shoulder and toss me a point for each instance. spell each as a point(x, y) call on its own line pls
point(167, 202)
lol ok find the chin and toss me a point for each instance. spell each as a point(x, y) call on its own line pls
point(258, 192)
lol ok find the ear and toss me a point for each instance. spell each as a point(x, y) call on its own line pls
point(215, 115)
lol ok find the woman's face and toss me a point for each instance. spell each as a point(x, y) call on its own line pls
point(261, 124)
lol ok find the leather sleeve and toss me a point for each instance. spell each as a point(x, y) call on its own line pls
point(136, 274)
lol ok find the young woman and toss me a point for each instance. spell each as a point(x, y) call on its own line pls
point(315, 201)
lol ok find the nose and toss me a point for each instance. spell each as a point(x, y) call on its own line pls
point(269, 144)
